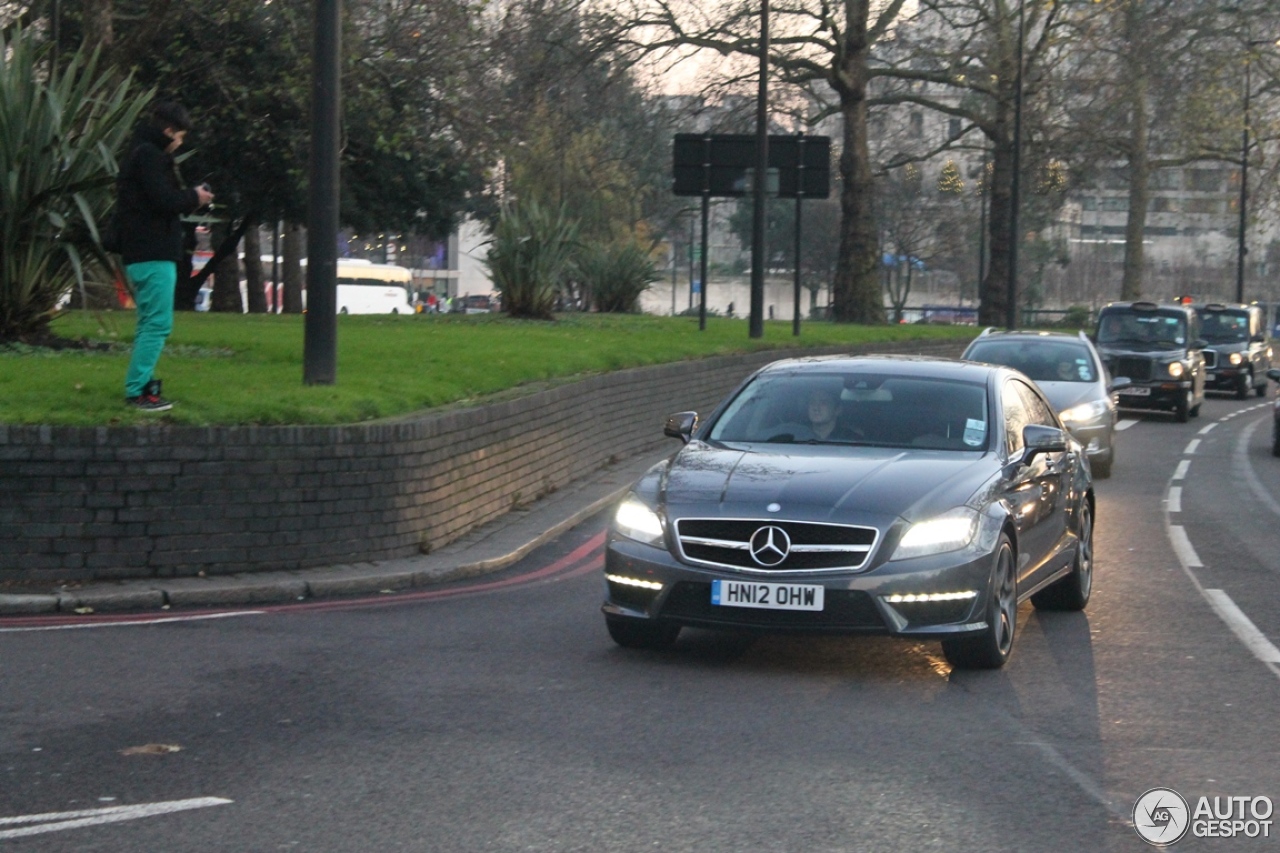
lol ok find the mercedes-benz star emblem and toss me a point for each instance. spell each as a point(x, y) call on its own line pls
point(770, 546)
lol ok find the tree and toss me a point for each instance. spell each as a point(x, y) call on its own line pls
point(63, 130)
point(825, 48)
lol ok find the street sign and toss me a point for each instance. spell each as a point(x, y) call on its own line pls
point(721, 165)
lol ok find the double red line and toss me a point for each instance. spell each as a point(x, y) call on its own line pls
point(585, 558)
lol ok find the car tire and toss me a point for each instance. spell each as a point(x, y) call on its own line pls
point(1243, 385)
point(992, 647)
point(1275, 439)
point(641, 633)
point(1101, 469)
point(1261, 390)
point(1072, 592)
point(1183, 410)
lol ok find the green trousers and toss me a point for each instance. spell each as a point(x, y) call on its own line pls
point(153, 285)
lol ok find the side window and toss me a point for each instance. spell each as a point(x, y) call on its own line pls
point(1038, 412)
point(1016, 417)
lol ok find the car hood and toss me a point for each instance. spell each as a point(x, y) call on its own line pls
point(1064, 395)
point(822, 483)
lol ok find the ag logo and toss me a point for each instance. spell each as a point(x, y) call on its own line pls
point(1161, 816)
point(770, 546)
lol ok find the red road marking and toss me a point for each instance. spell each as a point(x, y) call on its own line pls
point(583, 559)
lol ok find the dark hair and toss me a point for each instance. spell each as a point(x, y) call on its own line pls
point(171, 114)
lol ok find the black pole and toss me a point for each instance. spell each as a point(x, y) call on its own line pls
point(1242, 247)
point(756, 325)
point(702, 271)
point(795, 316)
point(321, 324)
point(1015, 202)
point(692, 248)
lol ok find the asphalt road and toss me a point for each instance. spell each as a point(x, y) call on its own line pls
point(498, 716)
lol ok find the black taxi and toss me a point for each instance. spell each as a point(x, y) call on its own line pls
point(1158, 347)
point(1238, 354)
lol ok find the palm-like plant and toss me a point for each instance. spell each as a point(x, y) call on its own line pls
point(60, 132)
point(529, 256)
point(615, 274)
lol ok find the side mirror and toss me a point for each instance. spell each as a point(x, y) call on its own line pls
point(1039, 439)
point(681, 425)
point(1198, 343)
point(1258, 339)
point(1118, 383)
point(1274, 374)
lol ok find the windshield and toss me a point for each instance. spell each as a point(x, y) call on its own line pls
point(1142, 330)
point(1042, 359)
point(857, 409)
point(1224, 327)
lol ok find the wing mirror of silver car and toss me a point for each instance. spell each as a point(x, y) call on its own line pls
point(681, 425)
point(1119, 382)
point(1037, 439)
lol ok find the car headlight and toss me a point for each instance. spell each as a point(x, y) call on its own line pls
point(636, 521)
point(1176, 369)
point(1084, 412)
point(1235, 358)
point(950, 531)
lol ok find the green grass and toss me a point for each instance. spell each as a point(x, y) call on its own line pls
point(247, 369)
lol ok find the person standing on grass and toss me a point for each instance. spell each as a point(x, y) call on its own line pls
point(150, 199)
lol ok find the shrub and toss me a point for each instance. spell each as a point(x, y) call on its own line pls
point(615, 274)
point(59, 135)
point(530, 254)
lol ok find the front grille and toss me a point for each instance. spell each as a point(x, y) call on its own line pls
point(843, 609)
point(1137, 369)
point(812, 546)
point(1210, 359)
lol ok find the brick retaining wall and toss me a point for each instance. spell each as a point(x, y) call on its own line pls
point(160, 501)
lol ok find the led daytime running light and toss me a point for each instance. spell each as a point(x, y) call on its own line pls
point(924, 597)
point(625, 581)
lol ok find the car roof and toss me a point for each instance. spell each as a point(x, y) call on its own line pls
point(1147, 305)
point(1030, 334)
point(896, 365)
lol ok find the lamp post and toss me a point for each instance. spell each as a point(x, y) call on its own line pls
point(1015, 201)
point(1242, 248)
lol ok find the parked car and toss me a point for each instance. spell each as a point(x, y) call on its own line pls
point(1238, 354)
point(906, 496)
point(1070, 373)
point(1159, 349)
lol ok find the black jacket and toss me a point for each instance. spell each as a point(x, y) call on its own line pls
point(150, 199)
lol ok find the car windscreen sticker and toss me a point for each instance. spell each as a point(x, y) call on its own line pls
point(974, 432)
point(1082, 369)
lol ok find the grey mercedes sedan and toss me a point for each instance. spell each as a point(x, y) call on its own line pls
point(873, 494)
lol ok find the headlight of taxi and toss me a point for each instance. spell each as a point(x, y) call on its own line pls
point(636, 521)
point(1176, 369)
point(1084, 413)
point(950, 531)
point(1236, 358)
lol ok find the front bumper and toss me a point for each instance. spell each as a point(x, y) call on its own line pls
point(855, 603)
point(1165, 395)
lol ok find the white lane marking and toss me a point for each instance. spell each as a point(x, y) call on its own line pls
point(127, 622)
point(1192, 447)
point(1125, 423)
point(58, 821)
point(1244, 469)
point(1181, 470)
point(1182, 547)
point(1207, 429)
point(1175, 499)
point(1254, 640)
